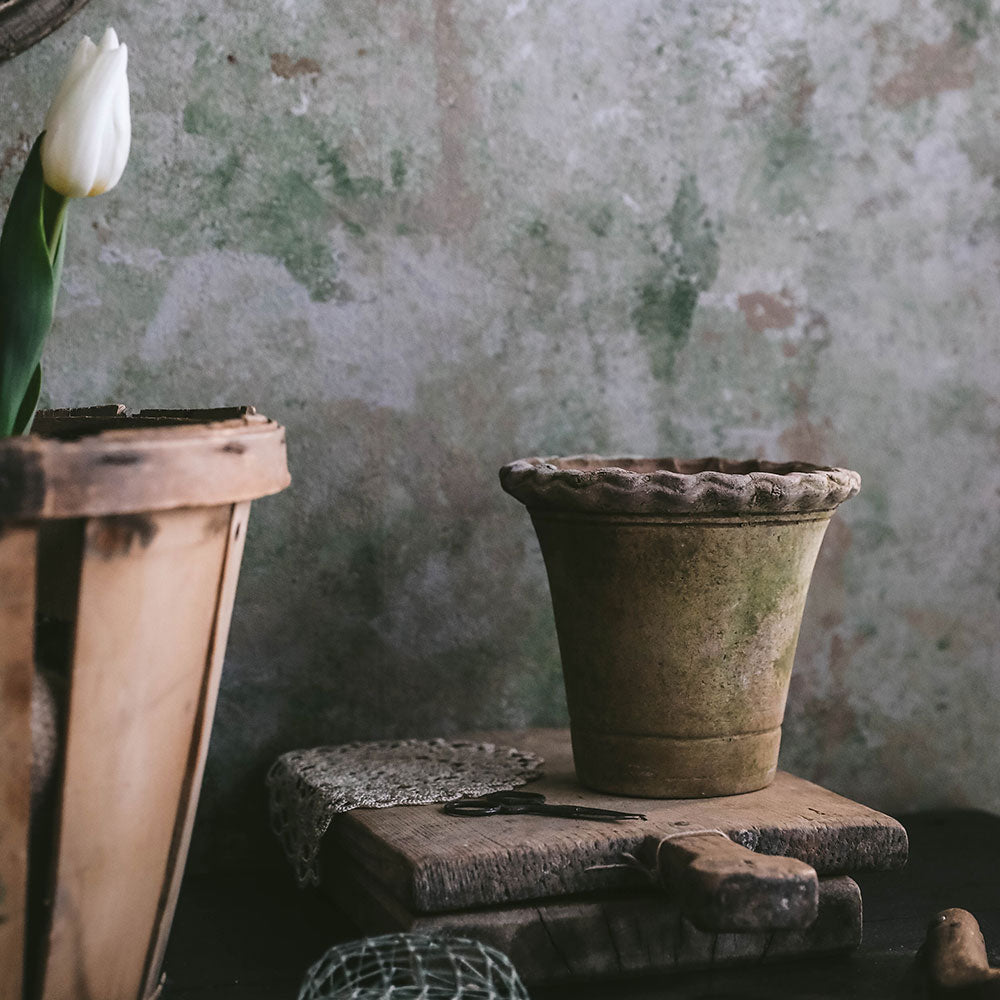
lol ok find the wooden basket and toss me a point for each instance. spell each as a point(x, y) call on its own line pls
point(120, 545)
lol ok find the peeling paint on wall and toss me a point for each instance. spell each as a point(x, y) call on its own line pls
point(284, 66)
point(931, 69)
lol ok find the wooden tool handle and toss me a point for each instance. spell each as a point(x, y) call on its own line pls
point(722, 886)
point(954, 958)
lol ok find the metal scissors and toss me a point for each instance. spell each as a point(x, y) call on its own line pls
point(533, 803)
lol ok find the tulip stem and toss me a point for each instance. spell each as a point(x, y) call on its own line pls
point(54, 207)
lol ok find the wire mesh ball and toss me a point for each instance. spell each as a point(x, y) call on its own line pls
point(413, 967)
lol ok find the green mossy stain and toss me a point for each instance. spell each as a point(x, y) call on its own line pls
point(539, 230)
point(958, 406)
point(971, 19)
point(600, 221)
point(344, 185)
point(542, 264)
point(275, 184)
point(666, 310)
point(771, 591)
point(202, 118)
point(397, 168)
point(225, 173)
point(787, 148)
point(290, 213)
point(873, 528)
point(766, 590)
point(790, 162)
point(667, 299)
point(871, 535)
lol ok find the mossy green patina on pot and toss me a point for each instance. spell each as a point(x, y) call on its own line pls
point(678, 589)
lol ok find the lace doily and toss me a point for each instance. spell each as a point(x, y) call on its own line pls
point(309, 787)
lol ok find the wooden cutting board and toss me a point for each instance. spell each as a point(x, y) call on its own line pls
point(625, 933)
point(429, 862)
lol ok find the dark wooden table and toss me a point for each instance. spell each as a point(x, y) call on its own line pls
point(252, 937)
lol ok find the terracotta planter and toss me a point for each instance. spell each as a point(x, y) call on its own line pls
point(120, 545)
point(678, 589)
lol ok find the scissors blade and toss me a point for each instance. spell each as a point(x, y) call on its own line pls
point(586, 812)
point(481, 806)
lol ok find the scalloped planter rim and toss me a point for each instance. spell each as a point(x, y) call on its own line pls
point(678, 588)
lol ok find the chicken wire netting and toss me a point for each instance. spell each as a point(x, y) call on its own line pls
point(413, 967)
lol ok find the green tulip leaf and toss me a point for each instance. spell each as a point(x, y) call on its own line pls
point(26, 414)
point(54, 207)
point(31, 253)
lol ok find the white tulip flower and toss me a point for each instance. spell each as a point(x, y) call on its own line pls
point(87, 128)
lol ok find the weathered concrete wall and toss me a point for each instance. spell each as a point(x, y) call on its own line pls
point(431, 236)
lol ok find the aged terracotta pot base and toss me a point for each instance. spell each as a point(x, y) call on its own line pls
point(664, 767)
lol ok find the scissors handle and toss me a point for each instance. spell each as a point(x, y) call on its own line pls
point(532, 803)
point(494, 803)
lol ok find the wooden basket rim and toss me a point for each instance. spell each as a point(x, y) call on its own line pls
point(102, 461)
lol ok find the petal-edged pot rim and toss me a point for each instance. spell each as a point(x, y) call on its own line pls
point(654, 486)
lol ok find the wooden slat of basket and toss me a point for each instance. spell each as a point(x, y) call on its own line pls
point(199, 746)
point(17, 620)
point(148, 600)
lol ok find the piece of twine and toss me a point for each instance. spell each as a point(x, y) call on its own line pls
point(654, 874)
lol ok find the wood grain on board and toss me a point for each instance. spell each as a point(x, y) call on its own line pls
point(431, 862)
point(620, 934)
